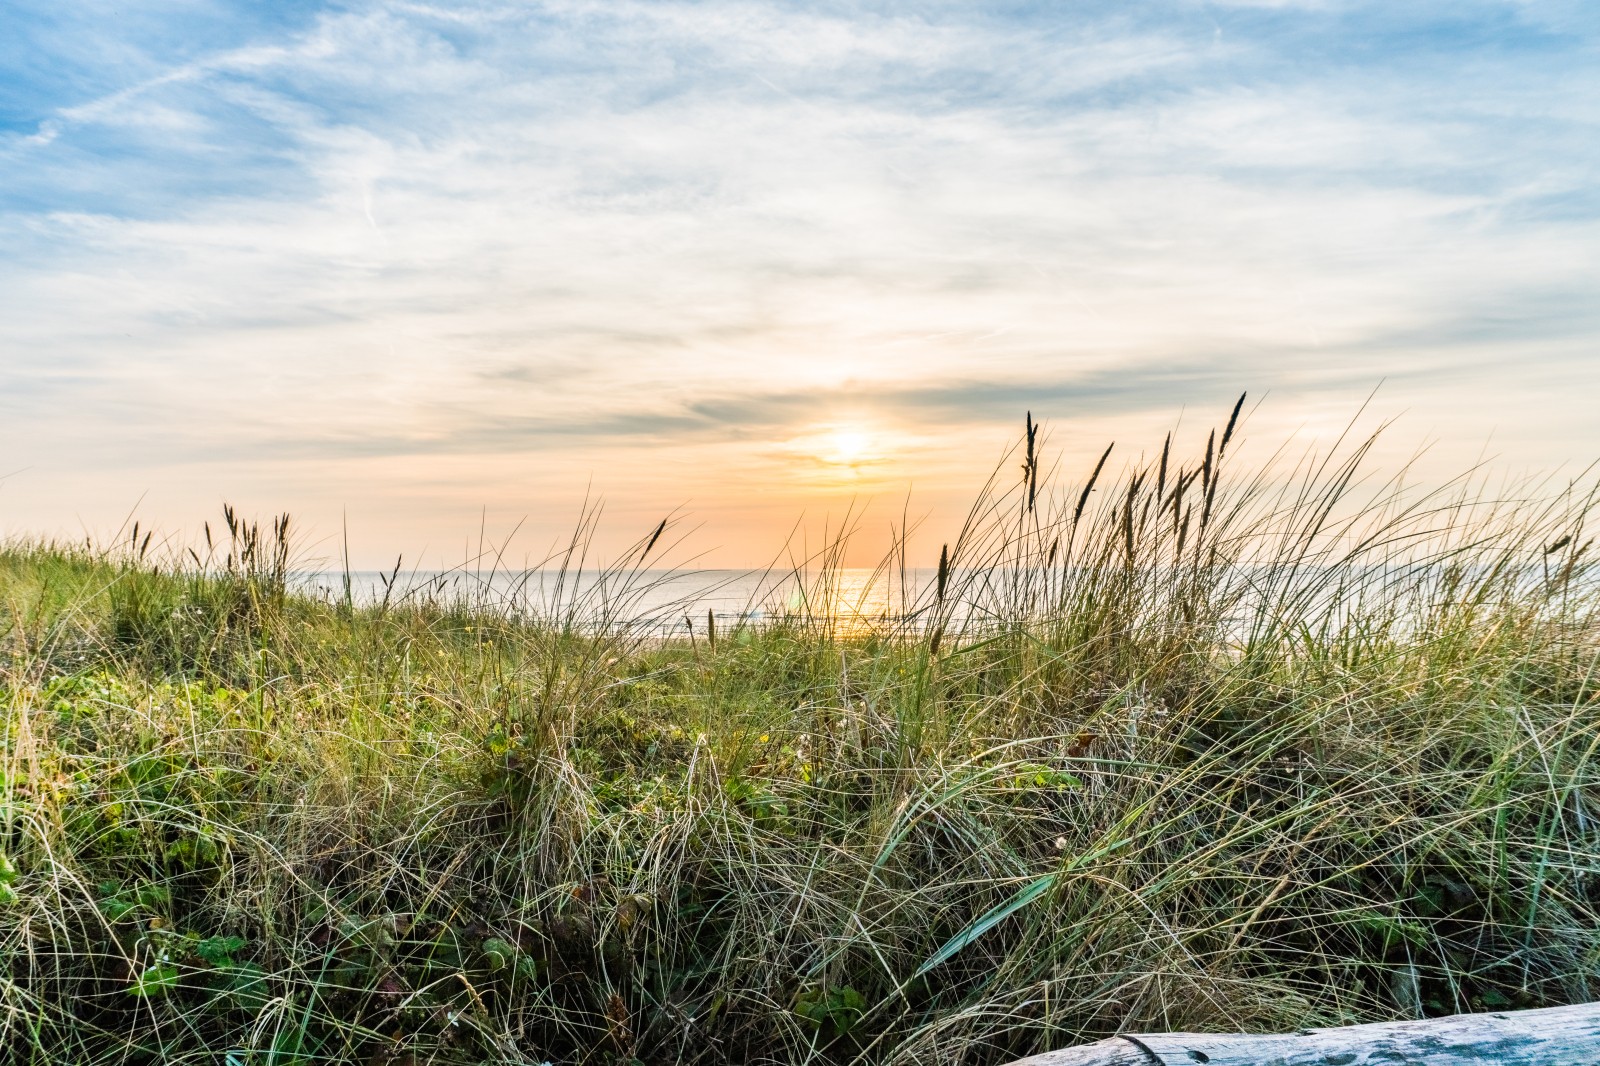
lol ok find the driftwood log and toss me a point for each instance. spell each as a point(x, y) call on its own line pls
point(1554, 1036)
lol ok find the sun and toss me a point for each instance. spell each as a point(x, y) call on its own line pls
point(837, 452)
point(845, 452)
point(848, 446)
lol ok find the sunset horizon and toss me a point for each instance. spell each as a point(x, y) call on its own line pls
point(409, 273)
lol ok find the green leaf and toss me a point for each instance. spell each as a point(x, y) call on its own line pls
point(117, 909)
point(158, 980)
point(498, 953)
point(8, 869)
point(845, 1007)
point(1030, 892)
point(219, 950)
point(1032, 775)
point(840, 1007)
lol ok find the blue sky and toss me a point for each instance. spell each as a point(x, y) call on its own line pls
point(406, 261)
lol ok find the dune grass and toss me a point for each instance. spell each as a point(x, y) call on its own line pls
point(1178, 748)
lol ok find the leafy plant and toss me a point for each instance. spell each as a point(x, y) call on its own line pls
point(154, 981)
point(838, 1009)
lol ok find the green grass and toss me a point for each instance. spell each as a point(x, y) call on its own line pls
point(1331, 760)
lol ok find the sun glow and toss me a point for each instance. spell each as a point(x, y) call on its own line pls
point(837, 452)
point(848, 446)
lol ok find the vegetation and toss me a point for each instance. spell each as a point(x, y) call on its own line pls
point(1175, 749)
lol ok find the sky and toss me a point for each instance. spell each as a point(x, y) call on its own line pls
point(417, 271)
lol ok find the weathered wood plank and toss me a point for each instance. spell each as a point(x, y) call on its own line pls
point(1554, 1036)
point(1118, 1051)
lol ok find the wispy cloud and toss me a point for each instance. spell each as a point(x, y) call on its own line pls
point(391, 230)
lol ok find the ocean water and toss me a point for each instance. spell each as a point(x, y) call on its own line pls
point(669, 601)
point(854, 601)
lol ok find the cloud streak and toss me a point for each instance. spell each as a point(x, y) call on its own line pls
point(388, 230)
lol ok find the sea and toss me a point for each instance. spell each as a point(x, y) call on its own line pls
point(672, 602)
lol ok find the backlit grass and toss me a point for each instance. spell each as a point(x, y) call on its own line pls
point(1196, 749)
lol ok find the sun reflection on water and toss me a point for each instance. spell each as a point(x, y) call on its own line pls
point(855, 602)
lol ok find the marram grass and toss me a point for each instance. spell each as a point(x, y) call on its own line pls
point(1199, 750)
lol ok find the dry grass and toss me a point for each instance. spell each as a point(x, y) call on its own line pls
point(1196, 750)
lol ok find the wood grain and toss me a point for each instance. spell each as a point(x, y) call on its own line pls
point(1554, 1036)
